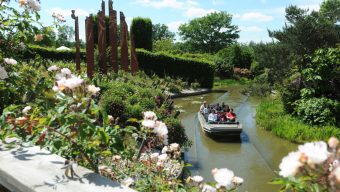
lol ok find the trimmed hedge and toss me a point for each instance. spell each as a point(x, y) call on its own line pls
point(50, 53)
point(161, 64)
point(142, 31)
point(190, 70)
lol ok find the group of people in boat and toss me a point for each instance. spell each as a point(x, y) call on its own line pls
point(218, 114)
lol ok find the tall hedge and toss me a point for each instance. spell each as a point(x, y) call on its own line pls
point(142, 31)
point(190, 70)
point(51, 53)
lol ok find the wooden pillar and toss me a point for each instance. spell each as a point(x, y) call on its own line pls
point(102, 42)
point(134, 61)
point(89, 46)
point(124, 44)
point(76, 23)
point(113, 37)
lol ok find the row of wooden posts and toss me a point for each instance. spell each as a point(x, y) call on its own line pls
point(90, 46)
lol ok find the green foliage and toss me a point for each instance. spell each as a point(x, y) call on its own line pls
point(65, 36)
point(322, 73)
point(271, 116)
point(224, 69)
point(275, 57)
point(318, 111)
point(290, 92)
point(210, 33)
point(161, 32)
point(51, 53)
point(17, 26)
point(260, 85)
point(177, 132)
point(142, 31)
point(234, 56)
point(305, 32)
point(331, 10)
point(24, 84)
point(164, 45)
point(126, 96)
point(190, 70)
point(49, 37)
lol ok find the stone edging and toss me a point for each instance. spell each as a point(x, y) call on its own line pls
point(32, 169)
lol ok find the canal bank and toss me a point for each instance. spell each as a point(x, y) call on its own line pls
point(255, 158)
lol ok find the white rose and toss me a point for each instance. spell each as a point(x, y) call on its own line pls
point(93, 89)
point(149, 123)
point(197, 178)
point(52, 68)
point(223, 177)
point(290, 164)
point(10, 61)
point(316, 152)
point(26, 109)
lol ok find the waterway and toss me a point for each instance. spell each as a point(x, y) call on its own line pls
point(255, 156)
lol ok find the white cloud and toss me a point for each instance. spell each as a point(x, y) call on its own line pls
point(254, 16)
point(192, 3)
point(173, 26)
point(162, 3)
point(250, 29)
point(67, 12)
point(198, 12)
point(217, 2)
point(311, 7)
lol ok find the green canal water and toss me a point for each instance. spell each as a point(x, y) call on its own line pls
point(255, 157)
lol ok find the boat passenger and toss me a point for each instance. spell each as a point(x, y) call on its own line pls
point(223, 105)
point(212, 118)
point(204, 105)
point(217, 107)
point(231, 116)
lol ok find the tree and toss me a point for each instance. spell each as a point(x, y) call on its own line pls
point(331, 10)
point(161, 32)
point(305, 32)
point(210, 33)
point(49, 37)
point(142, 32)
point(65, 36)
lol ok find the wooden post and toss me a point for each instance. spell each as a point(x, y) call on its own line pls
point(113, 36)
point(124, 44)
point(134, 61)
point(76, 23)
point(102, 42)
point(89, 46)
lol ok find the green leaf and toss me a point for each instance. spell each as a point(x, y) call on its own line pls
point(103, 135)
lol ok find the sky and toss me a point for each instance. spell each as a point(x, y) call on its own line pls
point(253, 17)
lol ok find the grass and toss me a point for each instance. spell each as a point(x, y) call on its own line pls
point(271, 116)
point(225, 84)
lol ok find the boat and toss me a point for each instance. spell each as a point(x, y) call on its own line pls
point(219, 129)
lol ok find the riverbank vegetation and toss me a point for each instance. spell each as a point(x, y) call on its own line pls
point(271, 116)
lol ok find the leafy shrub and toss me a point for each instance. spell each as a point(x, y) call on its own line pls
point(190, 70)
point(177, 132)
point(141, 28)
point(224, 69)
point(318, 111)
point(290, 92)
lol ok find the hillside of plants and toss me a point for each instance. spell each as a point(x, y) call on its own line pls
point(125, 127)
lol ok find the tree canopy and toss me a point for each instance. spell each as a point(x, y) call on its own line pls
point(161, 32)
point(210, 33)
point(305, 31)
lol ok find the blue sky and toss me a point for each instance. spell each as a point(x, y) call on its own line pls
point(253, 17)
